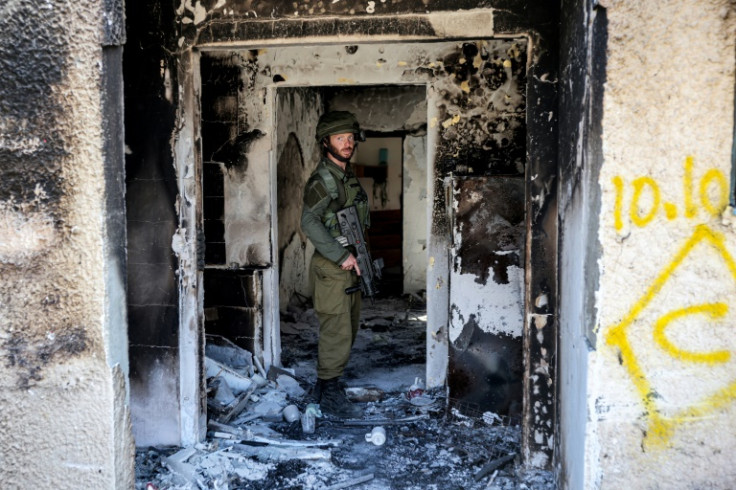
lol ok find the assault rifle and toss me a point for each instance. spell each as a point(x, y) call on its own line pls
point(352, 235)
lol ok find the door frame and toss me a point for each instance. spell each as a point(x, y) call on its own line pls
point(540, 420)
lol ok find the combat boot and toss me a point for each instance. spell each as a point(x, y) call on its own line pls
point(316, 393)
point(335, 403)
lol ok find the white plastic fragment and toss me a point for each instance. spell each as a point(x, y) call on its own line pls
point(237, 382)
point(223, 394)
point(290, 386)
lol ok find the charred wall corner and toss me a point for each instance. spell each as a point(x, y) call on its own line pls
point(583, 73)
point(62, 251)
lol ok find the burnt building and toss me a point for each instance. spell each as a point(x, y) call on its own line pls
point(555, 178)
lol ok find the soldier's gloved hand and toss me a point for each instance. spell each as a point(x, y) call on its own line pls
point(342, 240)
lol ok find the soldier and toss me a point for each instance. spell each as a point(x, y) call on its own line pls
point(331, 187)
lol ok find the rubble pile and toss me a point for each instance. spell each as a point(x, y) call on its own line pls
point(259, 433)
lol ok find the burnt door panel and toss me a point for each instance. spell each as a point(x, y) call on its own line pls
point(486, 293)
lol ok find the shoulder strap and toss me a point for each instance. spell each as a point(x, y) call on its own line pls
point(329, 181)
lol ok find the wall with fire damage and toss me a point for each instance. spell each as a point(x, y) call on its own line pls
point(64, 421)
point(462, 139)
point(298, 110)
point(661, 381)
point(583, 54)
point(151, 92)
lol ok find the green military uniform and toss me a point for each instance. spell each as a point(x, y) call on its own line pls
point(328, 190)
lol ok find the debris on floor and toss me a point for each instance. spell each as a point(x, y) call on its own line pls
point(264, 432)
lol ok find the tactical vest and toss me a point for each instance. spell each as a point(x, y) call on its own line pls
point(349, 194)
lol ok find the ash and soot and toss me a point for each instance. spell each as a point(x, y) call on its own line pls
point(430, 441)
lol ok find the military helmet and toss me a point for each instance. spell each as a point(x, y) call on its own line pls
point(337, 122)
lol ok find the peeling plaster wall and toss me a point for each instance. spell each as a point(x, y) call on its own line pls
point(65, 420)
point(662, 393)
point(298, 112)
point(488, 245)
point(487, 293)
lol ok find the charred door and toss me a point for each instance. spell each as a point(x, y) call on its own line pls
point(487, 293)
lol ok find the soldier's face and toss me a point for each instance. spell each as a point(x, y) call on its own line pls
point(343, 144)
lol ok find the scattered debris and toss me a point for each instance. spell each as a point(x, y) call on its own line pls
point(351, 482)
point(492, 465)
point(309, 418)
point(417, 438)
point(397, 421)
point(377, 436)
point(229, 354)
point(236, 381)
point(177, 464)
point(291, 413)
point(278, 453)
point(364, 394)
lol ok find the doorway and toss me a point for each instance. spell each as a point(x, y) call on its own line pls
point(399, 57)
point(462, 105)
point(392, 157)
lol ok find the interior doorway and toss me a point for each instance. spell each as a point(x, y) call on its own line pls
point(393, 156)
point(459, 112)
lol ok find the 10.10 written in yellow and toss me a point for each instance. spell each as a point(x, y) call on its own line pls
point(645, 203)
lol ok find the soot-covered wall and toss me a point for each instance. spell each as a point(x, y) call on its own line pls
point(64, 420)
point(246, 25)
point(153, 300)
point(583, 64)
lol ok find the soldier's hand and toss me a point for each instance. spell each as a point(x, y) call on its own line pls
point(350, 264)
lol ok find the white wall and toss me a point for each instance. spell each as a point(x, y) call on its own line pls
point(298, 112)
point(662, 383)
point(414, 244)
point(367, 154)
